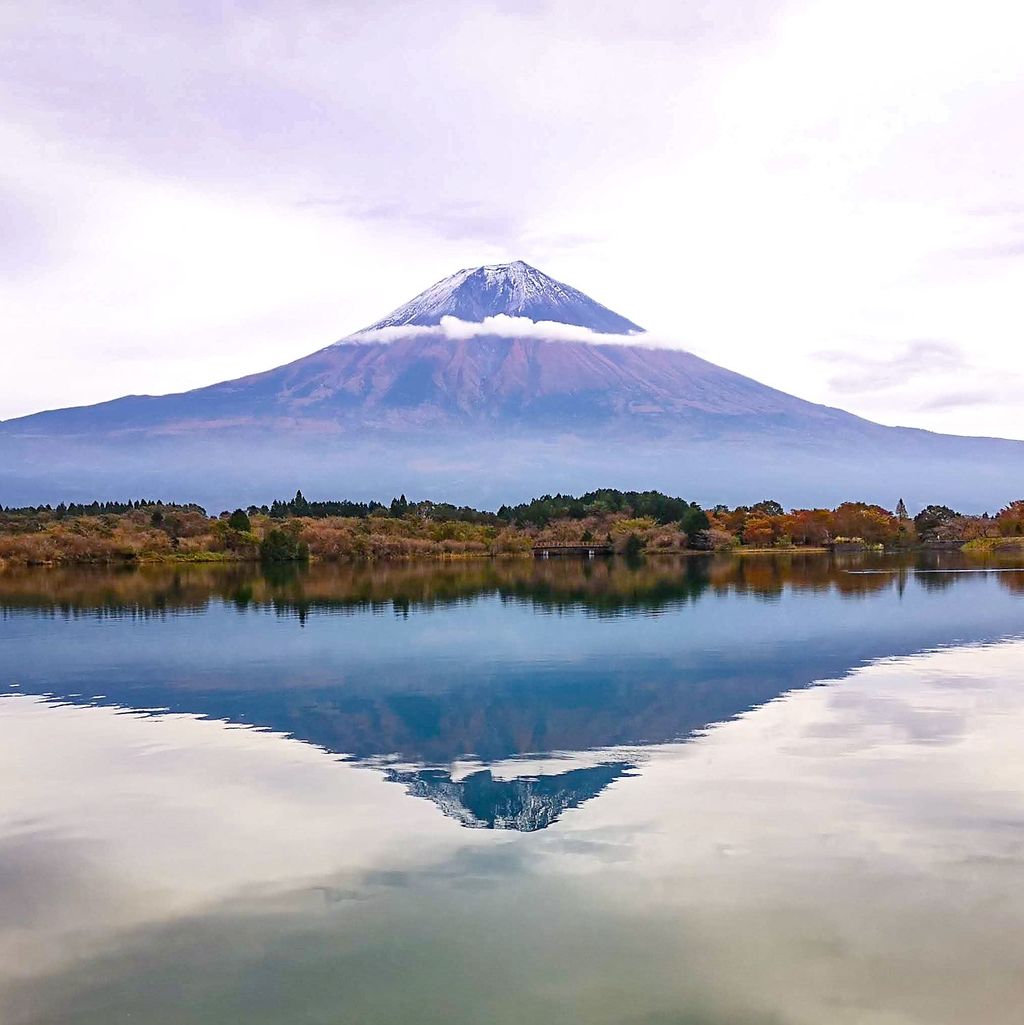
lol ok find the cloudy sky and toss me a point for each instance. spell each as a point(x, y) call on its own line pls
point(824, 195)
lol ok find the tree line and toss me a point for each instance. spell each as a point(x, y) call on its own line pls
point(767, 524)
point(622, 520)
point(106, 508)
point(537, 512)
point(281, 509)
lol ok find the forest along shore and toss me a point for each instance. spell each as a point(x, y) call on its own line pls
point(604, 521)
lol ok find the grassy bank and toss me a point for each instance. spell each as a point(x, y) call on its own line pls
point(995, 546)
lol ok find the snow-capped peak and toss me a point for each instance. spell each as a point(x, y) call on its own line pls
point(514, 289)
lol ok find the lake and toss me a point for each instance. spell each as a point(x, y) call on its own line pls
point(711, 790)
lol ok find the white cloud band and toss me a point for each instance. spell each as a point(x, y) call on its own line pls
point(503, 326)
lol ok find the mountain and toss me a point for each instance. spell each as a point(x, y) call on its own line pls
point(510, 289)
point(494, 384)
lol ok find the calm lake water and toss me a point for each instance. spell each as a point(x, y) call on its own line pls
point(711, 791)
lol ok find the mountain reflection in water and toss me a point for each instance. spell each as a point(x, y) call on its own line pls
point(526, 803)
point(704, 790)
point(412, 668)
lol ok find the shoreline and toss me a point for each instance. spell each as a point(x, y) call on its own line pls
point(996, 547)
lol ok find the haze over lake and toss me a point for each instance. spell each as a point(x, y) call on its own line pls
point(708, 789)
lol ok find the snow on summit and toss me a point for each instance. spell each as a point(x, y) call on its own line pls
point(514, 289)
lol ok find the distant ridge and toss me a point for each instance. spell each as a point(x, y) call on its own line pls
point(514, 289)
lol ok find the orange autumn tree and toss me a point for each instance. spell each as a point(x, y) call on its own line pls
point(1010, 520)
point(809, 526)
point(761, 530)
point(870, 523)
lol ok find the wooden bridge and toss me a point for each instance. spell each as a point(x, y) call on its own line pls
point(546, 549)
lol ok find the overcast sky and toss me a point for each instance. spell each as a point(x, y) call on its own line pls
point(827, 196)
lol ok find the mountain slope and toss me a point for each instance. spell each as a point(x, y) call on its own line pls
point(486, 382)
point(488, 414)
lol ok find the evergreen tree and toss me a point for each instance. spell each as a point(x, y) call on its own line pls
point(768, 507)
point(283, 545)
point(238, 520)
